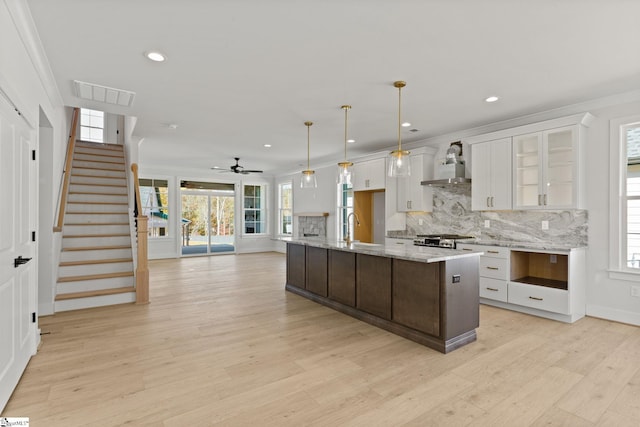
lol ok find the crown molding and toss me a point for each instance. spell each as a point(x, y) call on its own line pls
point(26, 27)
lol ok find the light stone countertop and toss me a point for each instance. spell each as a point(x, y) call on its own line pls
point(409, 253)
point(522, 245)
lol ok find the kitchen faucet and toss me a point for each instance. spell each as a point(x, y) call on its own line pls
point(347, 238)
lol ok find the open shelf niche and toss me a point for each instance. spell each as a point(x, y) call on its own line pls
point(541, 269)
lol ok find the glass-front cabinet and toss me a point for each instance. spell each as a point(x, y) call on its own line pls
point(545, 169)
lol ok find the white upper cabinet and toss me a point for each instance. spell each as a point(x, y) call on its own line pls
point(491, 186)
point(369, 175)
point(545, 167)
point(412, 195)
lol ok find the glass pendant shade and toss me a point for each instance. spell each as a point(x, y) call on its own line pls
point(308, 179)
point(399, 164)
point(308, 176)
point(344, 173)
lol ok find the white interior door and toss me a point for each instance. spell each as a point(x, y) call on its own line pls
point(17, 220)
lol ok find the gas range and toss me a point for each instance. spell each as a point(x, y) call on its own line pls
point(439, 240)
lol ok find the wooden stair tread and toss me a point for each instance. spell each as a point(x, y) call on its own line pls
point(97, 161)
point(96, 176)
point(94, 276)
point(98, 185)
point(98, 213)
point(95, 223)
point(99, 169)
point(98, 145)
point(96, 261)
point(97, 194)
point(110, 154)
point(96, 248)
point(102, 292)
point(96, 235)
point(97, 203)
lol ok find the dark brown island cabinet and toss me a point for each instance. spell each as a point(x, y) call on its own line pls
point(434, 303)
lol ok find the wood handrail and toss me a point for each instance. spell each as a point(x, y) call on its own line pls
point(142, 270)
point(136, 186)
point(67, 171)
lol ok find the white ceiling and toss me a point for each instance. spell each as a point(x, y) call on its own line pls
point(243, 73)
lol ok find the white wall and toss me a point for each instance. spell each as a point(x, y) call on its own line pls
point(23, 77)
point(606, 297)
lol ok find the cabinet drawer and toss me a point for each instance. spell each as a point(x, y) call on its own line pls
point(495, 268)
point(493, 289)
point(540, 297)
point(489, 251)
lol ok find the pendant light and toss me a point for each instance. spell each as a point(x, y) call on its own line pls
point(308, 176)
point(344, 173)
point(399, 165)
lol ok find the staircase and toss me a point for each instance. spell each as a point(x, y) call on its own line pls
point(96, 263)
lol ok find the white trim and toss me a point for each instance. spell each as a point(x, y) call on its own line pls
point(623, 316)
point(584, 119)
point(629, 276)
point(28, 33)
point(617, 184)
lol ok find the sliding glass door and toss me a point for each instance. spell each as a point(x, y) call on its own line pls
point(207, 218)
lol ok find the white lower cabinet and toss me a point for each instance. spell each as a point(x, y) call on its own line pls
point(544, 283)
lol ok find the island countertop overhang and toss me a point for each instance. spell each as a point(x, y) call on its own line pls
point(409, 253)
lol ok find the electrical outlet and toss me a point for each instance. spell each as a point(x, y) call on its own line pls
point(545, 225)
point(487, 223)
point(635, 291)
point(553, 259)
point(420, 221)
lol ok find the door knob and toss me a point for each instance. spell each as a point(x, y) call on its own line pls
point(19, 261)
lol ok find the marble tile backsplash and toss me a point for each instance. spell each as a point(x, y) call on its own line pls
point(452, 214)
point(316, 225)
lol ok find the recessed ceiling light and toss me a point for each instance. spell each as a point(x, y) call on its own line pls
point(155, 56)
point(406, 124)
point(267, 145)
point(173, 126)
point(351, 141)
point(492, 99)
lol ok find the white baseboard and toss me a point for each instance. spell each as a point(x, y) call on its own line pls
point(622, 316)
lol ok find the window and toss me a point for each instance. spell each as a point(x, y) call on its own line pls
point(255, 209)
point(345, 207)
point(91, 125)
point(625, 196)
point(285, 206)
point(155, 205)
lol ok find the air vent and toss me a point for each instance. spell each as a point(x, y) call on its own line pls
point(414, 130)
point(108, 95)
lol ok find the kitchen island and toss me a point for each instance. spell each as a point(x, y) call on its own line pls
point(427, 295)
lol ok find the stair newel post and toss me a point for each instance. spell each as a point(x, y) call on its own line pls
point(142, 271)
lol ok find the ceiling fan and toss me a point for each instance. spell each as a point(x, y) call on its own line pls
point(237, 168)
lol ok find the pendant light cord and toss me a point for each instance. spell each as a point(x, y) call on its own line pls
point(399, 118)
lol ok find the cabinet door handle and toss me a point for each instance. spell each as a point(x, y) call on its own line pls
point(545, 200)
point(467, 249)
point(539, 198)
point(488, 202)
point(493, 268)
point(493, 252)
point(492, 289)
point(535, 298)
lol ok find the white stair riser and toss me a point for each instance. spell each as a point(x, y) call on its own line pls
point(98, 147)
point(95, 285)
point(90, 164)
point(79, 230)
point(80, 303)
point(98, 158)
point(97, 189)
point(89, 219)
point(91, 255)
point(75, 208)
point(97, 173)
point(98, 181)
point(80, 242)
point(84, 270)
point(120, 198)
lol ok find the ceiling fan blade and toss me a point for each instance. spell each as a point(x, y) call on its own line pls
point(251, 171)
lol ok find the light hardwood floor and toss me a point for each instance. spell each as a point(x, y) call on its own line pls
point(222, 343)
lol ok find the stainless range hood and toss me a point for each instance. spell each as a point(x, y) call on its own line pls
point(446, 182)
